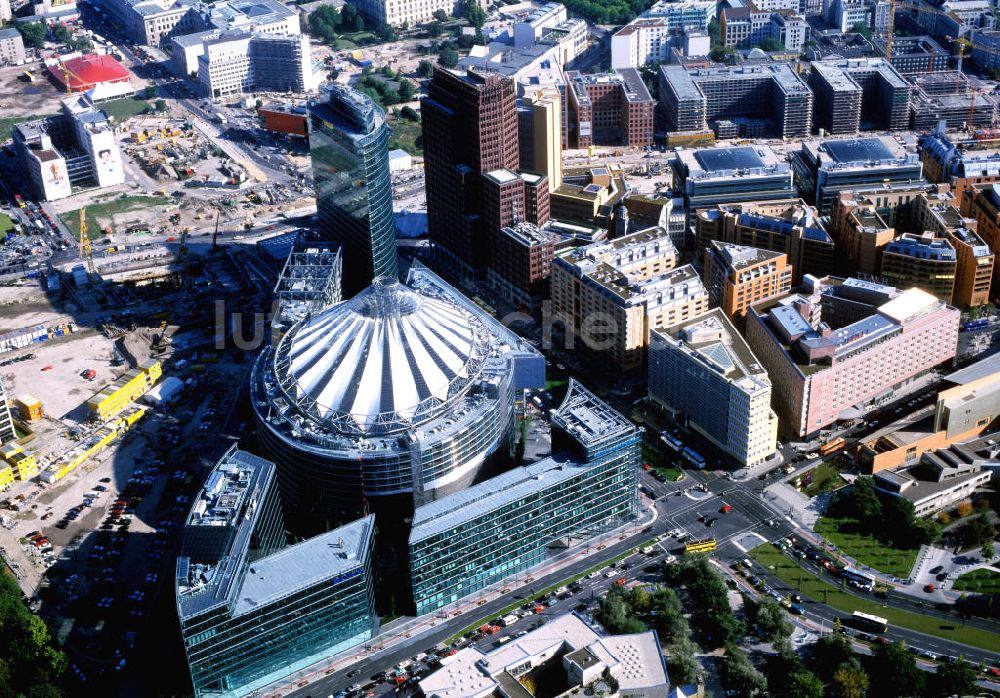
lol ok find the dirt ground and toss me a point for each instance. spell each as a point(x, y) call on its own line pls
point(20, 98)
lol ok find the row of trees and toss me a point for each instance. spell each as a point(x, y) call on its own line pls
point(328, 24)
point(382, 90)
point(30, 667)
point(33, 33)
point(872, 509)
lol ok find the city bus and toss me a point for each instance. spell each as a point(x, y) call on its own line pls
point(858, 580)
point(700, 546)
point(975, 325)
point(866, 621)
point(671, 440)
point(693, 456)
point(832, 446)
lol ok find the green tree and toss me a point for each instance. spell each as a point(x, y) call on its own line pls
point(358, 25)
point(850, 680)
point(769, 43)
point(160, 105)
point(474, 13)
point(33, 33)
point(862, 29)
point(977, 532)
point(804, 684)
point(769, 617)
point(385, 32)
point(61, 34)
point(738, 674)
point(829, 652)
point(893, 671)
point(440, 15)
point(149, 91)
point(425, 68)
point(956, 678)
point(348, 13)
point(681, 664)
point(258, 104)
point(406, 90)
point(410, 114)
point(988, 550)
point(448, 58)
point(434, 28)
point(325, 22)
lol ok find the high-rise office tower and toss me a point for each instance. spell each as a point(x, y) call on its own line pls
point(349, 146)
point(540, 122)
point(469, 130)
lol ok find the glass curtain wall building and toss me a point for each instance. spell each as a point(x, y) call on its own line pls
point(252, 611)
point(466, 541)
point(349, 147)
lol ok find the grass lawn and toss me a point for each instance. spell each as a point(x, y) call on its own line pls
point(980, 581)
point(672, 474)
point(865, 548)
point(113, 207)
point(825, 477)
point(795, 576)
point(6, 225)
point(122, 109)
point(8, 123)
point(551, 384)
point(342, 44)
point(405, 135)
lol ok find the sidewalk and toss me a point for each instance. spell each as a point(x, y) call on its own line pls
point(400, 631)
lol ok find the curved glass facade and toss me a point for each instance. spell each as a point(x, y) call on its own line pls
point(349, 147)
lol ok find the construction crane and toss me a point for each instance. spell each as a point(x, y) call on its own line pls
point(66, 74)
point(86, 254)
point(182, 249)
point(215, 233)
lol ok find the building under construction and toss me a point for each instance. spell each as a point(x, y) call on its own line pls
point(845, 90)
point(951, 98)
point(309, 283)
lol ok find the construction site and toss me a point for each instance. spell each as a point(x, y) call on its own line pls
point(951, 97)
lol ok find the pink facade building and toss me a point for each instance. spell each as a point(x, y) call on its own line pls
point(825, 371)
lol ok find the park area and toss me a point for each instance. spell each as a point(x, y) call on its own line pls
point(824, 478)
point(981, 581)
point(847, 535)
point(6, 225)
point(790, 572)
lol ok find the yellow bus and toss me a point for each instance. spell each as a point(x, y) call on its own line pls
point(700, 546)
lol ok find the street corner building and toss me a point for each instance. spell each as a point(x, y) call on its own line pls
point(469, 540)
point(238, 585)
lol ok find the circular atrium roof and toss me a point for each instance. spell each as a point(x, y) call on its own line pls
point(385, 355)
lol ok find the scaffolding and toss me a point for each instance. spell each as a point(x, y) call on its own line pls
point(309, 282)
point(950, 97)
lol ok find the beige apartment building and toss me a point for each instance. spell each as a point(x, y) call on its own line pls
point(610, 295)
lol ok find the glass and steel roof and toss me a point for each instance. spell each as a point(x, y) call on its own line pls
point(389, 354)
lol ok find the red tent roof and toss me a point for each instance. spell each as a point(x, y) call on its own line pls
point(89, 70)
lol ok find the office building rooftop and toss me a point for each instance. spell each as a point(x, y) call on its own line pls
point(299, 566)
point(713, 341)
point(724, 163)
point(922, 247)
point(858, 153)
point(635, 661)
point(587, 418)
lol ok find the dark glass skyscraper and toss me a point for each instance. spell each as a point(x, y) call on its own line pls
point(349, 145)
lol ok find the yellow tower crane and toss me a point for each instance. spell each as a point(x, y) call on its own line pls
point(86, 253)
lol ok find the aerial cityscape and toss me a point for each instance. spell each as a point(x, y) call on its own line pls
point(514, 349)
